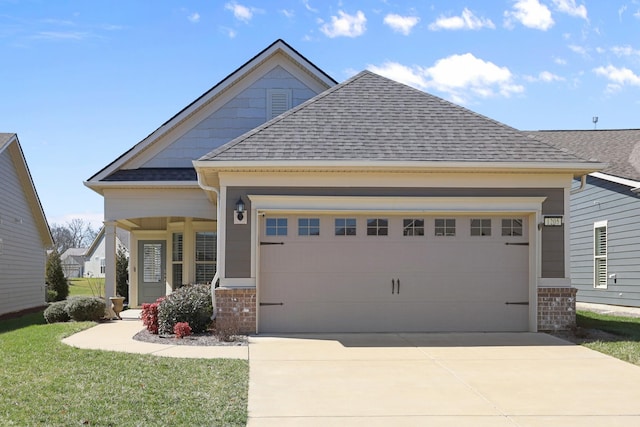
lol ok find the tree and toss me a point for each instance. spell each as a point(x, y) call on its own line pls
point(55, 276)
point(122, 273)
point(74, 234)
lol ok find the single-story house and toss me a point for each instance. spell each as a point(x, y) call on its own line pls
point(94, 256)
point(72, 261)
point(24, 232)
point(360, 206)
point(605, 216)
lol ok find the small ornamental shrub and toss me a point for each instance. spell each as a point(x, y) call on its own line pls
point(182, 329)
point(150, 315)
point(57, 312)
point(55, 276)
point(51, 295)
point(191, 304)
point(82, 309)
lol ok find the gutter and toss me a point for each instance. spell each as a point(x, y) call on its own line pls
point(583, 183)
point(216, 276)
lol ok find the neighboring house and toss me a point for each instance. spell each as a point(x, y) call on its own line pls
point(95, 260)
point(24, 232)
point(72, 261)
point(605, 215)
point(365, 206)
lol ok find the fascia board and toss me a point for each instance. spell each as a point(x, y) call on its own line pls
point(99, 186)
point(635, 185)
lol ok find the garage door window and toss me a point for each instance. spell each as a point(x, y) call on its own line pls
point(511, 227)
point(378, 227)
point(276, 227)
point(481, 227)
point(308, 226)
point(445, 227)
point(413, 227)
point(345, 226)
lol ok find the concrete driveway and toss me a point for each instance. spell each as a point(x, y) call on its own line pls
point(497, 379)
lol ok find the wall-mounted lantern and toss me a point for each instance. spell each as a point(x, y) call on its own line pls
point(239, 215)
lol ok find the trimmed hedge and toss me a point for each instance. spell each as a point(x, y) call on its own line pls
point(191, 304)
point(83, 309)
point(57, 312)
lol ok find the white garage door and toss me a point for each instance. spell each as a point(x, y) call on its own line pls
point(382, 273)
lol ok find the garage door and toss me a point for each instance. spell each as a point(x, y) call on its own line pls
point(382, 273)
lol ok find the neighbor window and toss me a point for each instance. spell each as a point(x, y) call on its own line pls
point(176, 259)
point(377, 227)
point(276, 227)
point(308, 226)
point(413, 227)
point(103, 265)
point(511, 227)
point(205, 256)
point(445, 227)
point(481, 227)
point(345, 226)
point(600, 254)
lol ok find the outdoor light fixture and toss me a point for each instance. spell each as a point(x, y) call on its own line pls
point(240, 209)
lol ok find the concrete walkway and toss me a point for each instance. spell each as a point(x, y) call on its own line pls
point(501, 379)
point(614, 310)
point(117, 335)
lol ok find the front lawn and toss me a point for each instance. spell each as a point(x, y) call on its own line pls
point(91, 286)
point(45, 382)
point(623, 341)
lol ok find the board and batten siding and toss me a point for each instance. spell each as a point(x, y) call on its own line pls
point(22, 255)
point(603, 200)
point(246, 111)
point(238, 237)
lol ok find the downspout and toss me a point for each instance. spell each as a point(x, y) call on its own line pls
point(583, 183)
point(216, 276)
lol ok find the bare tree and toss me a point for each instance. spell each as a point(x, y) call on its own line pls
point(76, 233)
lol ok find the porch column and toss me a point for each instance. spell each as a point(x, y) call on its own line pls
point(110, 265)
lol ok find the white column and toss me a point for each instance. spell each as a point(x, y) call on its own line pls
point(110, 265)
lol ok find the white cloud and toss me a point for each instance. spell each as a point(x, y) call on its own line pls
point(229, 32)
point(618, 77)
point(569, 7)
point(467, 21)
point(545, 77)
point(308, 6)
point(62, 35)
point(560, 61)
point(401, 24)
point(241, 13)
point(581, 50)
point(345, 25)
point(625, 51)
point(461, 77)
point(531, 14)
point(194, 17)
point(289, 13)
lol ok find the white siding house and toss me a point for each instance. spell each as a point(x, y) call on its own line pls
point(95, 256)
point(24, 233)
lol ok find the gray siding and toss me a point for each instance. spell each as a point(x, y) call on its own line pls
point(606, 201)
point(22, 255)
point(243, 113)
point(238, 239)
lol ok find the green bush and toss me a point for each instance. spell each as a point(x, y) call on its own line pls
point(57, 312)
point(83, 309)
point(51, 295)
point(191, 304)
point(55, 276)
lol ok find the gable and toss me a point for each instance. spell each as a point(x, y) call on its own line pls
point(237, 103)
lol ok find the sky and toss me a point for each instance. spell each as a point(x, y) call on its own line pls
point(81, 81)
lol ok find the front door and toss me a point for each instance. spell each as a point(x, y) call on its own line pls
point(151, 270)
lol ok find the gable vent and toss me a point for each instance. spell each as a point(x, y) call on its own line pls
point(278, 101)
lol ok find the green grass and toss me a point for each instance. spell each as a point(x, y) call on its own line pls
point(86, 286)
point(45, 382)
point(626, 343)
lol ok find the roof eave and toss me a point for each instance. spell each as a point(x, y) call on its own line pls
point(635, 185)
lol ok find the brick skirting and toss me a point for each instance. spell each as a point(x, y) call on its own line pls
point(556, 308)
point(236, 308)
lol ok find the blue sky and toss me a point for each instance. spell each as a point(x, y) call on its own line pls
point(83, 81)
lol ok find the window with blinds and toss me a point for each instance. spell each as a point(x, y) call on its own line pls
point(278, 101)
point(176, 260)
point(205, 256)
point(600, 255)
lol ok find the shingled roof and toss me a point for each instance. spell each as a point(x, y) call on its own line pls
point(370, 117)
point(619, 148)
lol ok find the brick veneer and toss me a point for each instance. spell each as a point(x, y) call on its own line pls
point(237, 306)
point(556, 308)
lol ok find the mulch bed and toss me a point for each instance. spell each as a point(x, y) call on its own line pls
point(207, 339)
point(582, 335)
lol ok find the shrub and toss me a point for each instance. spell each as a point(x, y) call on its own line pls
point(122, 274)
point(83, 309)
point(57, 312)
point(182, 329)
point(150, 315)
point(191, 304)
point(51, 295)
point(55, 276)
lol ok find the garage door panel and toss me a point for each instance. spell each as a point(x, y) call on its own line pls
point(332, 283)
